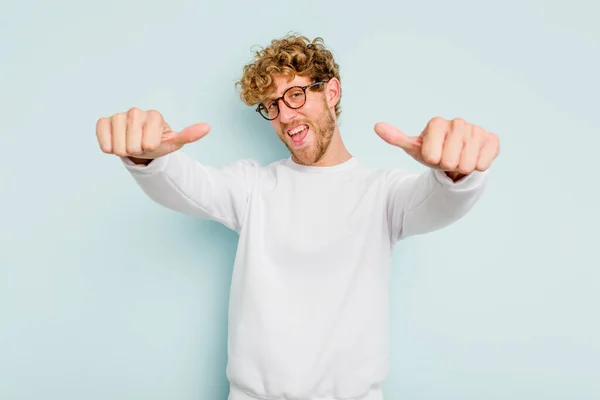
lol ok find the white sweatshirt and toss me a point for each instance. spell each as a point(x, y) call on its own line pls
point(308, 316)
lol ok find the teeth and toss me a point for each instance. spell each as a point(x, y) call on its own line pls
point(296, 130)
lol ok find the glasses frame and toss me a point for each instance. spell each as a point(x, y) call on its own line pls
point(282, 97)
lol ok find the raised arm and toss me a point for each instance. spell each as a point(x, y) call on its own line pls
point(151, 152)
point(458, 155)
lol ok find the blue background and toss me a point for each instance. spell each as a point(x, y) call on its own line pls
point(105, 295)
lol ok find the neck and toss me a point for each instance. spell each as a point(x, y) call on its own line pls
point(336, 153)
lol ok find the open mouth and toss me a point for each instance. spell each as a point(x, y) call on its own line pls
point(298, 134)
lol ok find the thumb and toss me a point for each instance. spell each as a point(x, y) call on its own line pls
point(189, 134)
point(396, 137)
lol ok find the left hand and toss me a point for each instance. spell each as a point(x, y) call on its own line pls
point(454, 146)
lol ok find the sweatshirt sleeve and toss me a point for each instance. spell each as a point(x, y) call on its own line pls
point(426, 202)
point(181, 183)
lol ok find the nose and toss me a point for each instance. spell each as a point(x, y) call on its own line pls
point(286, 114)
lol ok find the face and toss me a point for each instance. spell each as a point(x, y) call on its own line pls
point(308, 130)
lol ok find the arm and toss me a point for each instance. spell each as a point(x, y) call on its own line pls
point(151, 151)
point(180, 183)
point(422, 203)
point(458, 155)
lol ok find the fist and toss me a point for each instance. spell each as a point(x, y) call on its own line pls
point(454, 146)
point(143, 134)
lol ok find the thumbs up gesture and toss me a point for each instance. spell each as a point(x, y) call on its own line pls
point(143, 134)
point(454, 146)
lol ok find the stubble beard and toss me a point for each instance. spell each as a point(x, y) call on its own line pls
point(322, 131)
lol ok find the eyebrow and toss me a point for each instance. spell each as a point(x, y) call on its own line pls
point(269, 99)
point(274, 97)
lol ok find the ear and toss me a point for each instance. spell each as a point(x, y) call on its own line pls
point(333, 92)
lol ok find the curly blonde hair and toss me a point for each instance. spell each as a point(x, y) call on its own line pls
point(289, 56)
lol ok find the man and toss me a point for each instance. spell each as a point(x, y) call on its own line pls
point(309, 301)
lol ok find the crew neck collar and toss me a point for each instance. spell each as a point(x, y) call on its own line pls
point(346, 165)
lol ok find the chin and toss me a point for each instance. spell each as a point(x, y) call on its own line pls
point(302, 158)
point(308, 155)
point(302, 161)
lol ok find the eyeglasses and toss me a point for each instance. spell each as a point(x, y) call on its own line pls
point(294, 97)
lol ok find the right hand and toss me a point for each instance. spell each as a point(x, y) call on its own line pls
point(143, 134)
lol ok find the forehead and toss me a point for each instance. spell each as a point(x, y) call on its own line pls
point(282, 83)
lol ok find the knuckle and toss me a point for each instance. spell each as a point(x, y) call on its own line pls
point(150, 145)
point(101, 123)
point(476, 132)
point(154, 116)
point(430, 158)
point(153, 113)
point(458, 123)
point(134, 113)
point(466, 167)
point(133, 149)
point(437, 122)
point(448, 164)
point(118, 118)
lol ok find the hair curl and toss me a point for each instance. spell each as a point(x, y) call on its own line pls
point(289, 56)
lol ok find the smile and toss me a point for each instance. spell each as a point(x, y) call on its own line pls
point(298, 134)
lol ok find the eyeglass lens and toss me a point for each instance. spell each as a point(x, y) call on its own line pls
point(294, 97)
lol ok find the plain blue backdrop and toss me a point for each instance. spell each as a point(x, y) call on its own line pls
point(105, 295)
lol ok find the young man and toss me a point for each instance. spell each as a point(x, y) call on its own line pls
point(309, 301)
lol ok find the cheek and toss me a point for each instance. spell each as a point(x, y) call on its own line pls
point(276, 125)
point(316, 110)
point(308, 110)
